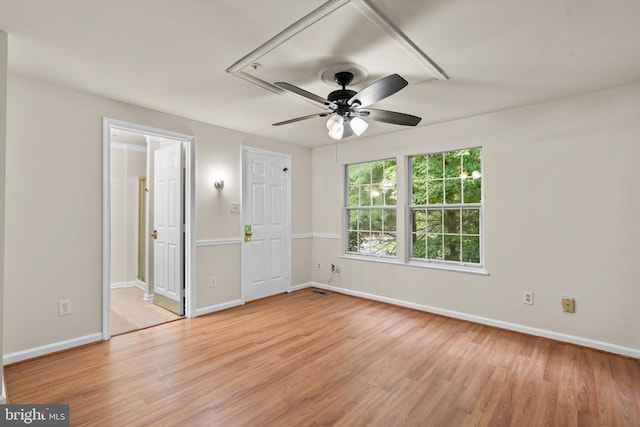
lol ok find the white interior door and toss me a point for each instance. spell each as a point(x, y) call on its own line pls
point(168, 281)
point(266, 259)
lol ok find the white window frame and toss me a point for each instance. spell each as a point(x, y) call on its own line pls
point(447, 264)
point(348, 209)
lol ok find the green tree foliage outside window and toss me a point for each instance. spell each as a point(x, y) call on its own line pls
point(371, 208)
point(446, 205)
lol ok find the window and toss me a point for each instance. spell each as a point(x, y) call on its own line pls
point(371, 208)
point(445, 207)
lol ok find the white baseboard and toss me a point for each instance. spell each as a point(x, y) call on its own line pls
point(218, 307)
point(124, 284)
point(301, 286)
point(148, 297)
point(585, 342)
point(31, 353)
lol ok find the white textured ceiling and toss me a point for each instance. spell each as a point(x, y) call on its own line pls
point(172, 56)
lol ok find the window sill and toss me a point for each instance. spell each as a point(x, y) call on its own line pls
point(458, 268)
point(426, 265)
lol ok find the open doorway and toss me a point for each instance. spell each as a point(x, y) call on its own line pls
point(147, 227)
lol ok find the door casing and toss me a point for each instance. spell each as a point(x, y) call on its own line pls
point(189, 205)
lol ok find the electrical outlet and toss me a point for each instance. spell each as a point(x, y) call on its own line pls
point(527, 297)
point(64, 307)
point(212, 282)
point(568, 305)
point(318, 266)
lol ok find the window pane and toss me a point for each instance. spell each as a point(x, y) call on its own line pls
point(435, 166)
point(453, 190)
point(472, 190)
point(389, 244)
point(436, 192)
point(364, 173)
point(452, 164)
point(354, 196)
point(471, 249)
point(418, 168)
point(352, 171)
point(353, 241)
point(434, 246)
point(353, 220)
point(365, 195)
point(377, 198)
point(389, 195)
point(471, 221)
point(390, 220)
point(364, 219)
point(434, 221)
point(377, 171)
point(451, 248)
point(390, 164)
point(452, 221)
point(363, 243)
point(419, 196)
point(419, 245)
point(471, 161)
point(418, 221)
point(376, 220)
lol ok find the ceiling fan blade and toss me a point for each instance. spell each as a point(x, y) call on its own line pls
point(302, 92)
point(390, 117)
point(378, 90)
point(298, 119)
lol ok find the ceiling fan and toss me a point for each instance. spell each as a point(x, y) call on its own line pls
point(346, 107)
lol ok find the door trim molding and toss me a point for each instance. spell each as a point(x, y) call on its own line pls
point(244, 149)
point(189, 217)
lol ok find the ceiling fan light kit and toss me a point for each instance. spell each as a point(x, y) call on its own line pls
point(346, 107)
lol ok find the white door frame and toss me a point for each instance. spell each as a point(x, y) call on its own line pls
point(245, 274)
point(189, 217)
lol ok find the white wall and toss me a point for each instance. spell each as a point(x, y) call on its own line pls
point(126, 166)
point(215, 222)
point(54, 210)
point(565, 169)
point(562, 211)
point(3, 143)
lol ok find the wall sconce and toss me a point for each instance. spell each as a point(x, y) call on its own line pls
point(219, 183)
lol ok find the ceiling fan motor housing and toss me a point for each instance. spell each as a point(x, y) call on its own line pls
point(341, 96)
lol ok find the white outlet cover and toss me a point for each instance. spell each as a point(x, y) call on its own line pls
point(64, 307)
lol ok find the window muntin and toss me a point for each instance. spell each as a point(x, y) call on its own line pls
point(371, 208)
point(446, 207)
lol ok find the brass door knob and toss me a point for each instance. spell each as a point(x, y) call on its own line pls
point(154, 234)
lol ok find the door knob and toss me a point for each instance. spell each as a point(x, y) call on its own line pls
point(154, 234)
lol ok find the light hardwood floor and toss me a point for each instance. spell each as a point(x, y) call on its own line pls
point(305, 359)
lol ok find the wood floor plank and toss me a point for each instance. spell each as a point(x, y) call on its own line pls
point(318, 360)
